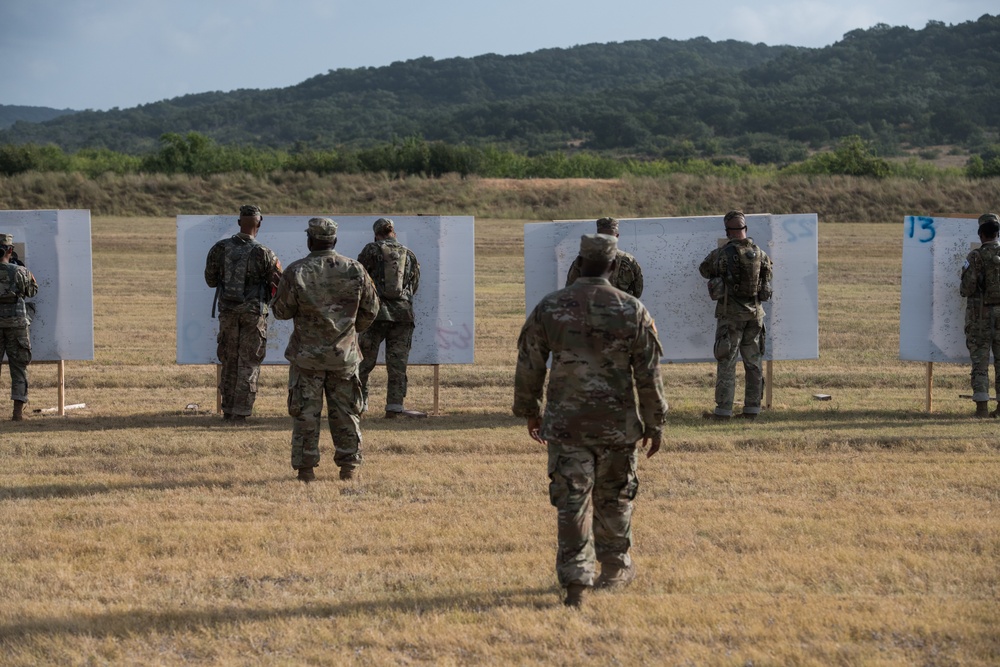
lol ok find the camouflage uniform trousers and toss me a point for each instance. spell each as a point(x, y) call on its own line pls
point(242, 347)
point(593, 488)
point(745, 338)
point(306, 389)
point(398, 337)
point(982, 336)
point(15, 343)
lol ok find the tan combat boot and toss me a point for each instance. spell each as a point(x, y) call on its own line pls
point(982, 409)
point(18, 411)
point(574, 595)
point(615, 577)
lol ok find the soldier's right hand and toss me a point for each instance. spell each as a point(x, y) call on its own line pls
point(654, 444)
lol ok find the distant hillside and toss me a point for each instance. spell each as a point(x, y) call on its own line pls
point(10, 114)
point(892, 85)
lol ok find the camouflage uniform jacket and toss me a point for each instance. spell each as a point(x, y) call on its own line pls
point(973, 277)
point(601, 340)
point(392, 310)
point(263, 273)
point(330, 298)
point(627, 277)
point(730, 306)
point(16, 284)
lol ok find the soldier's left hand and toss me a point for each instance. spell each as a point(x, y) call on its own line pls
point(654, 444)
point(534, 427)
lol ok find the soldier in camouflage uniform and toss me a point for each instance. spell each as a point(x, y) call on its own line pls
point(396, 273)
point(330, 298)
point(739, 279)
point(245, 274)
point(981, 286)
point(16, 284)
point(604, 345)
point(627, 277)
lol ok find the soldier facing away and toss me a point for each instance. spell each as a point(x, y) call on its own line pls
point(16, 284)
point(739, 279)
point(981, 286)
point(244, 273)
point(396, 273)
point(627, 276)
point(329, 298)
point(604, 345)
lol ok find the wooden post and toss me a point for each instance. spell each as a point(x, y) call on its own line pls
point(62, 388)
point(930, 386)
point(769, 385)
point(437, 388)
point(218, 391)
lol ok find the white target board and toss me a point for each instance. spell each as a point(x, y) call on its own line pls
point(444, 305)
point(931, 310)
point(55, 246)
point(669, 250)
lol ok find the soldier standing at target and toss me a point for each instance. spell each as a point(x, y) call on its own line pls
point(739, 279)
point(396, 273)
point(16, 284)
point(245, 274)
point(981, 286)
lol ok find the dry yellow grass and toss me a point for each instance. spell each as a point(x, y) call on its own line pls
point(856, 531)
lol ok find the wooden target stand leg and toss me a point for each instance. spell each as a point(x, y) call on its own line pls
point(769, 385)
point(930, 386)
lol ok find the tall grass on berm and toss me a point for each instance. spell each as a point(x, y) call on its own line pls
point(858, 531)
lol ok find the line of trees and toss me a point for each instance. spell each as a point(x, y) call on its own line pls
point(197, 155)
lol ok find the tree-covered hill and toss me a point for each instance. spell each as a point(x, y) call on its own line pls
point(10, 114)
point(892, 85)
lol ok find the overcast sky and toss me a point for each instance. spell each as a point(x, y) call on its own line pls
point(98, 54)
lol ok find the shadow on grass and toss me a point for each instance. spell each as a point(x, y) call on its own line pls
point(132, 623)
point(43, 491)
point(826, 419)
point(173, 420)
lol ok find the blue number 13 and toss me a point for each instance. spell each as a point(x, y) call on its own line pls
point(926, 225)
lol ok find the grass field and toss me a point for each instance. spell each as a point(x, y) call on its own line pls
point(858, 531)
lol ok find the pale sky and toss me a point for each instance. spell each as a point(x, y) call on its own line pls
point(99, 54)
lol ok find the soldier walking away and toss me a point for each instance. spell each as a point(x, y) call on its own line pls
point(739, 280)
point(396, 273)
point(981, 287)
point(245, 274)
point(627, 277)
point(605, 353)
point(329, 298)
point(16, 285)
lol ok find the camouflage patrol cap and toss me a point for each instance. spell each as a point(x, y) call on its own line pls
point(248, 210)
point(322, 229)
point(6, 239)
point(989, 225)
point(383, 226)
point(732, 215)
point(607, 226)
point(598, 247)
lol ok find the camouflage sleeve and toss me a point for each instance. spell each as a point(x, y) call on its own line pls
point(766, 273)
point(369, 258)
point(709, 267)
point(970, 275)
point(574, 272)
point(368, 304)
point(28, 285)
point(529, 377)
point(645, 360)
point(414, 281)
point(637, 283)
point(213, 265)
point(271, 270)
point(285, 304)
